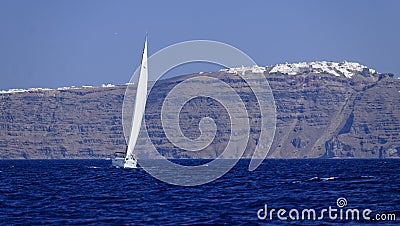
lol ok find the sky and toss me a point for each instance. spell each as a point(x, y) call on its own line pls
point(55, 43)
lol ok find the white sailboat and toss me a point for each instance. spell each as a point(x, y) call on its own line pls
point(129, 160)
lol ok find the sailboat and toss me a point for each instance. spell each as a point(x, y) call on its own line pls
point(129, 160)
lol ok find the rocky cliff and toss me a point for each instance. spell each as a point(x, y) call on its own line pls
point(324, 110)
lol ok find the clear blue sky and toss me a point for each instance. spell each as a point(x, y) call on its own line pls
point(54, 43)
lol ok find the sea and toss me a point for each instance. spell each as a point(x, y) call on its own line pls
point(91, 192)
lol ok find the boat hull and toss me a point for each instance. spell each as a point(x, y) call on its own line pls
point(130, 163)
point(118, 162)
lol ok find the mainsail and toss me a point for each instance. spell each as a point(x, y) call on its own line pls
point(140, 104)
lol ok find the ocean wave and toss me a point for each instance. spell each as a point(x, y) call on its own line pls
point(93, 167)
point(367, 176)
point(322, 178)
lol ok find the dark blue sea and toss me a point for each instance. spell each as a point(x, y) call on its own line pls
point(90, 192)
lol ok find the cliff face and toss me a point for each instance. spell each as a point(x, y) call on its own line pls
point(325, 116)
point(75, 123)
point(318, 115)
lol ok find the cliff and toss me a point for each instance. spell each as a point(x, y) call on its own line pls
point(324, 110)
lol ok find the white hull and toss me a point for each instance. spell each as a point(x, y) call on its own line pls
point(119, 162)
point(130, 163)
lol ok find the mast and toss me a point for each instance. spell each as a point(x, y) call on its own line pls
point(140, 104)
